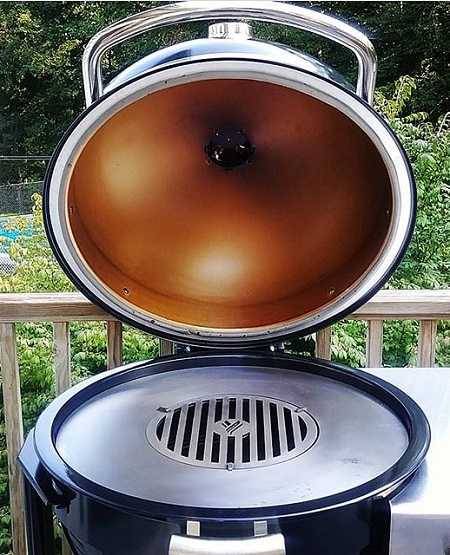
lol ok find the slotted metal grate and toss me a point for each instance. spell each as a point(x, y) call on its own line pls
point(232, 432)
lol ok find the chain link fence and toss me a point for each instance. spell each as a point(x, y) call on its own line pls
point(20, 178)
point(16, 198)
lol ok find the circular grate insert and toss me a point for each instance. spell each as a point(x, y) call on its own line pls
point(232, 432)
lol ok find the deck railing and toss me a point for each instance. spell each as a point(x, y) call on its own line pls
point(427, 307)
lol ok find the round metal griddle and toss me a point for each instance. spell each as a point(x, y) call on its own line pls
point(231, 432)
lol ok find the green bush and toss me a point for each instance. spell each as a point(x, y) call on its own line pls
point(426, 264)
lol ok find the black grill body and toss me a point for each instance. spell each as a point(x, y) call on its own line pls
point(98, 520)
point(124, 533)
point(94, 528)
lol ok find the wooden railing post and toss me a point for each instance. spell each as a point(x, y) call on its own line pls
point(323, 343)
point(427, 343)
point(374, 345)
point(114, 346)
point(166, 347)
point(12, 407)
point(61, 348)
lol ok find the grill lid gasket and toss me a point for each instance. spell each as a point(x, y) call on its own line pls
point(233, 432)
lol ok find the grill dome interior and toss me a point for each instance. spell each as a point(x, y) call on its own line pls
point(184, 239)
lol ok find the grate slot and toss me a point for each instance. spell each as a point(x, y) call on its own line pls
point(173, 429)
point(260, 431)
point(246, 448)
point(160, 428)
point(188, 431)
point(203, 432)
point(276, 451)
point(215, 448)
point(232, 408)
point(231, 443)
point(195, 435)
point(246, 410)
point(218, 410)
point(290, 439)
point(303, 428)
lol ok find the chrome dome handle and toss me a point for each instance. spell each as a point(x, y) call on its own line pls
point(267, 11)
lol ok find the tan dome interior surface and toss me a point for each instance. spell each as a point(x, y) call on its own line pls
point(186, 240)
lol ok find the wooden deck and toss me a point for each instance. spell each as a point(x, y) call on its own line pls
point(427, 307)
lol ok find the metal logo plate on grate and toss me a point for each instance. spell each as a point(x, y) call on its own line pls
point(232, 432)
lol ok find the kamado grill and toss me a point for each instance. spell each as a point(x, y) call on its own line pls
point(227, 193)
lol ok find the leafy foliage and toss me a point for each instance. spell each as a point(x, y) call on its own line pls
point(37, 268)
point(427, 261)
point(41, 45)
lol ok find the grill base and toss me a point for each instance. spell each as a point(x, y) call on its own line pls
point(351, 412)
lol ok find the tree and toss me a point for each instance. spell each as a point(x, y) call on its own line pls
point(41, 45)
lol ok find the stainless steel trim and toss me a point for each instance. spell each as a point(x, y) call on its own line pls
point(193, 528)
point(269, 454)
point(260, 528)
point(208, 440)
point(253, 437)
point(420, 510)
point(317, 87)
point(270, 12)
point(261, 545)
point(238, 449)
point(195, 430)
point(277, 384)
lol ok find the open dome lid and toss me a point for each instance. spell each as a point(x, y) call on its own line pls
point(160, 221)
